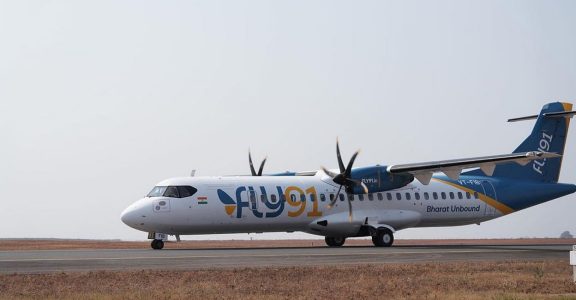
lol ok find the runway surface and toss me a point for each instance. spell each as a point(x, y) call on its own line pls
point(45, 261)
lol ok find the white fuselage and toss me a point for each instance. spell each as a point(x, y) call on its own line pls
point(298, 203)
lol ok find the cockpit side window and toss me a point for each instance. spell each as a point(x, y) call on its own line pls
point(186, 191)
point(172, 192)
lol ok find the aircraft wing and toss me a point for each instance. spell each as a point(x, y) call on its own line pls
point(452, 168)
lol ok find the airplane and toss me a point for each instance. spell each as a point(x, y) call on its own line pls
point(373, 201)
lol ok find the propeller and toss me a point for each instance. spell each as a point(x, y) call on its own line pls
point(344, 179)
point(252, 170)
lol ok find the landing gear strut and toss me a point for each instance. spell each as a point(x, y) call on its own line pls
point(383, 238)
point(334, 241)
point(157, 244)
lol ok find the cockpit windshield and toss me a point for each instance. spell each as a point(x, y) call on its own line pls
point(180, 191)
point(157, 191)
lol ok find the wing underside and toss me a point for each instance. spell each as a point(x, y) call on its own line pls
point(452, 168)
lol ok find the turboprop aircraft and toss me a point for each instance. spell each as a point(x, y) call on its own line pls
point(371, 201)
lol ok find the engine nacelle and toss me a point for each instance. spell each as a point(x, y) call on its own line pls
point(378, 179)
point(338, 225)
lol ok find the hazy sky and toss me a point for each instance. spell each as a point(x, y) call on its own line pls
point(100, 100)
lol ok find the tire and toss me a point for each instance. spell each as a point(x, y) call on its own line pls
point(383, 238)
point(334, 241)
point(157, 244)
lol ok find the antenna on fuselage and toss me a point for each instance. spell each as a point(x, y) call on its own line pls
point(193, 173)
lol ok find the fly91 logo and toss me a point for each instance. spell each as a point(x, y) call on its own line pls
point(543, 146)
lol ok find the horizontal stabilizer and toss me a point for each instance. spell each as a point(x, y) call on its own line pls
point(566, 114)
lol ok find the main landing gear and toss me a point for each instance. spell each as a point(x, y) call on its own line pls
point(157, 244)
point(383, 237)
point(334, 241)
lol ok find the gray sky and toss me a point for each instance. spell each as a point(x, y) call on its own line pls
point(100, 100)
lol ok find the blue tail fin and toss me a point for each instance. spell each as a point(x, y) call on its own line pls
point(549, 134)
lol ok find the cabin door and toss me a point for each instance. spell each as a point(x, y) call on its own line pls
point(491, 193)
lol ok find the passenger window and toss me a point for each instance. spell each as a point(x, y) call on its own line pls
point(282, 198)
point(361, 197)
point(451, 195)
point(302, 197)
point(371, 197)
point(312, 198)
point(252, 197)
point(341, 197)
point(171, 192)
point(476, 195)
point(293, 197)
point(426, 196)
point(459, 195)
point(273, 198)
point(417, 196)
point(322, 197)
point(468, 196)
point(380, 197)
point(443, 195)
point(398, 196)
point(186, 191)
point(332, 197)
point(263, 198)
point(389, 196)
point(407, 196)
point(351, 197)
point(435, 195)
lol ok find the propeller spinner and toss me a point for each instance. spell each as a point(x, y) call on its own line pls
point(344, 179)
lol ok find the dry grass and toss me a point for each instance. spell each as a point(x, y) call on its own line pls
point(56, 244)
point(457, 280)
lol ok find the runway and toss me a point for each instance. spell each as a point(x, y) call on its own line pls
point(46, 261)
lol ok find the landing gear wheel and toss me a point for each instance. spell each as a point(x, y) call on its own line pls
point(334, 241)
point(383, 238)
point(157, 244)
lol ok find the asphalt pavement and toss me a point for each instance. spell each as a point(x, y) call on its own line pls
point(45, 261)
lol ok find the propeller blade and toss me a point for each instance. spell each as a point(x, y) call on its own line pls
point(329, 173)
point(349, 210)
point(340, 162)
point(364, 187)
point(251, 164)
point(349, 167)
point(335, 198)
point(262, 166)
point(358, 183)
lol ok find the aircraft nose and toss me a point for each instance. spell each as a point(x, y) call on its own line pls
point(133, 215)
point(128, 216)
point(136, 214)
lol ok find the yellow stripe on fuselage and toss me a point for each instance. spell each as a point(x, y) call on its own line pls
point(490, 201)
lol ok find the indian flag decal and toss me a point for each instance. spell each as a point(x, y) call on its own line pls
point(202, 200)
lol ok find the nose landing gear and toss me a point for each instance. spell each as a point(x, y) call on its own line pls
point(158, 240)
